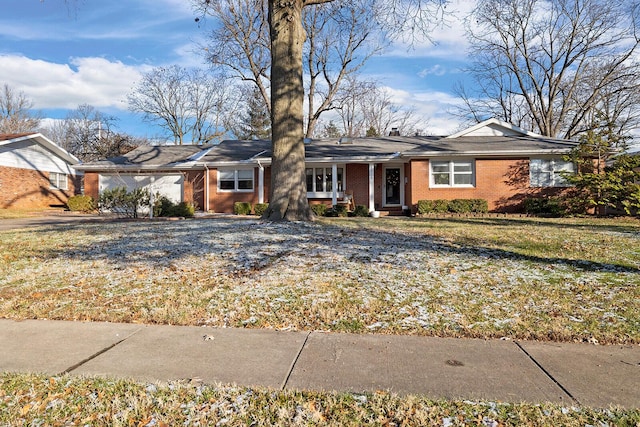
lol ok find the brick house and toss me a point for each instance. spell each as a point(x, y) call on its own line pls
point(492, 160)
point(35, 173)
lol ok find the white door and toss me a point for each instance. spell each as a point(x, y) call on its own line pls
point(168, 185)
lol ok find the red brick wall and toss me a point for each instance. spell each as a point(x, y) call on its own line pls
point(30, 189)
point(222, 201)
point(91, 183)
point(357, 180)
point(504, 183)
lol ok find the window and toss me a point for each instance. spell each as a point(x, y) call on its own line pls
point(452, 173)
point(549, 172)
point(320, 180)
point(235, 180)
point(58, 181)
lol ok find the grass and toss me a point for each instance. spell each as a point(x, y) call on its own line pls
point(521, 278)
point(27, 399)
point(549, 279)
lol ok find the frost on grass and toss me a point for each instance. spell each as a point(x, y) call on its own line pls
point(333, 276)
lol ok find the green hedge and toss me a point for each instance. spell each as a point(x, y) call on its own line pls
point(550, 206)
point(260, 208)
point(455, 206)
point(242, 208)
point(82, 204)
point(319, 209)
point(361, 210)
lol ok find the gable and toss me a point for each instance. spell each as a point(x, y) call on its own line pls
point(493, 127)
point(27, 152)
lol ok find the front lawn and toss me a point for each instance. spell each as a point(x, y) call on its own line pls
point(520, 278)
point(36, 400)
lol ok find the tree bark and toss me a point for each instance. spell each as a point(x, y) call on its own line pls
point(288, 196)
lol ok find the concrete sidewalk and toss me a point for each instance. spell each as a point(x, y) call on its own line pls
point(507, 371)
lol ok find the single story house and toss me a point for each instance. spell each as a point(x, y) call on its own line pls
point(35, 173)
point(492, 160)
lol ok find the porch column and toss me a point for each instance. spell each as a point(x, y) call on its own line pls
point(334, 184)
point(260, 183)
point(372, 169)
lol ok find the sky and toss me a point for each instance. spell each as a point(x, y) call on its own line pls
point(64, 54)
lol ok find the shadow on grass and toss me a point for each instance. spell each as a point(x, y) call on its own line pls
point(249, 245)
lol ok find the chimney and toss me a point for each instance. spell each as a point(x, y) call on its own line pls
point(394, 132)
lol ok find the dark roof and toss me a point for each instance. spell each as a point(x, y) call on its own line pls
point(344, 150)
point(151, 155)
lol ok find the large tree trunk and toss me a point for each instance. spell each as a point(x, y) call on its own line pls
point(288, 196)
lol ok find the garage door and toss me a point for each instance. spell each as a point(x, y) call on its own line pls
point(168, 185)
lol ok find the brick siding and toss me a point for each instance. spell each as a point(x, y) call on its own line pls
point(30, 189)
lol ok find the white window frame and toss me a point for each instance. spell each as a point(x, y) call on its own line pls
point(547, 173)
point(58, 181)
point(322, 193)
point(451, 164)
point(236, 179)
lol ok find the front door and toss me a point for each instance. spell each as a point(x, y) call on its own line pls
point(392, 186)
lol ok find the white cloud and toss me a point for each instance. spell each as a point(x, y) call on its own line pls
point(95, 81)
point(448, 39)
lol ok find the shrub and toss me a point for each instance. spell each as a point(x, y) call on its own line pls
point(118, 200)
point(184, 209)
point(479, 205)
point(81, 204)
point(340, 210)
point(433, 206)
point(260, 208)
point(319, 209)
point(551, 206)
point(459, 206)
point(242, 208)
point(361, 210)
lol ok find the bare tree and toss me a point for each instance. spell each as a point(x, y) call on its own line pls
point(549, 66)
point(340, 36)
point(15, 115)
point(189, 104)
point(288, 195)
point(90, 135)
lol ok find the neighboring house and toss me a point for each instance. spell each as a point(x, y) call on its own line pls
point(35, 173)
point(493, 160)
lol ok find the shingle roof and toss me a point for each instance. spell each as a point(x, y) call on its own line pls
point(151, 155)
point(343, 150)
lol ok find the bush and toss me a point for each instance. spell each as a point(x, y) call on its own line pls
point(319, 209)
point(551, 206)
point(118, 200)
point(164, 207)
point(459, 206)
point(81, 204)
point(260, 208)
point(340, 210)
point(455, 205)
point(361, 210)
point(242, 208)
point(479, 205)
point(433, 206)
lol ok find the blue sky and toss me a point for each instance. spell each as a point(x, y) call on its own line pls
point(61, 57)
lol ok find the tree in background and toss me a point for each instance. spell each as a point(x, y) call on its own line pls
point(193, 106)
point(605, 180)
point(255, 123)
point(340, 36)
point(15, 115)
point(552, 66)
point(89, 135)
point(288, 195)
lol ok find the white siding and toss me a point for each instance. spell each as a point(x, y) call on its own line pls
point(33, 156)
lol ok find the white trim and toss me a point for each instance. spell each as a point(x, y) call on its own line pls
point(495, 122)
point(372, 186)
point(236, 179)
point(400, 167)
point(451, 166)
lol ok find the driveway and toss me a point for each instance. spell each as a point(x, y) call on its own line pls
point(48, 220)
